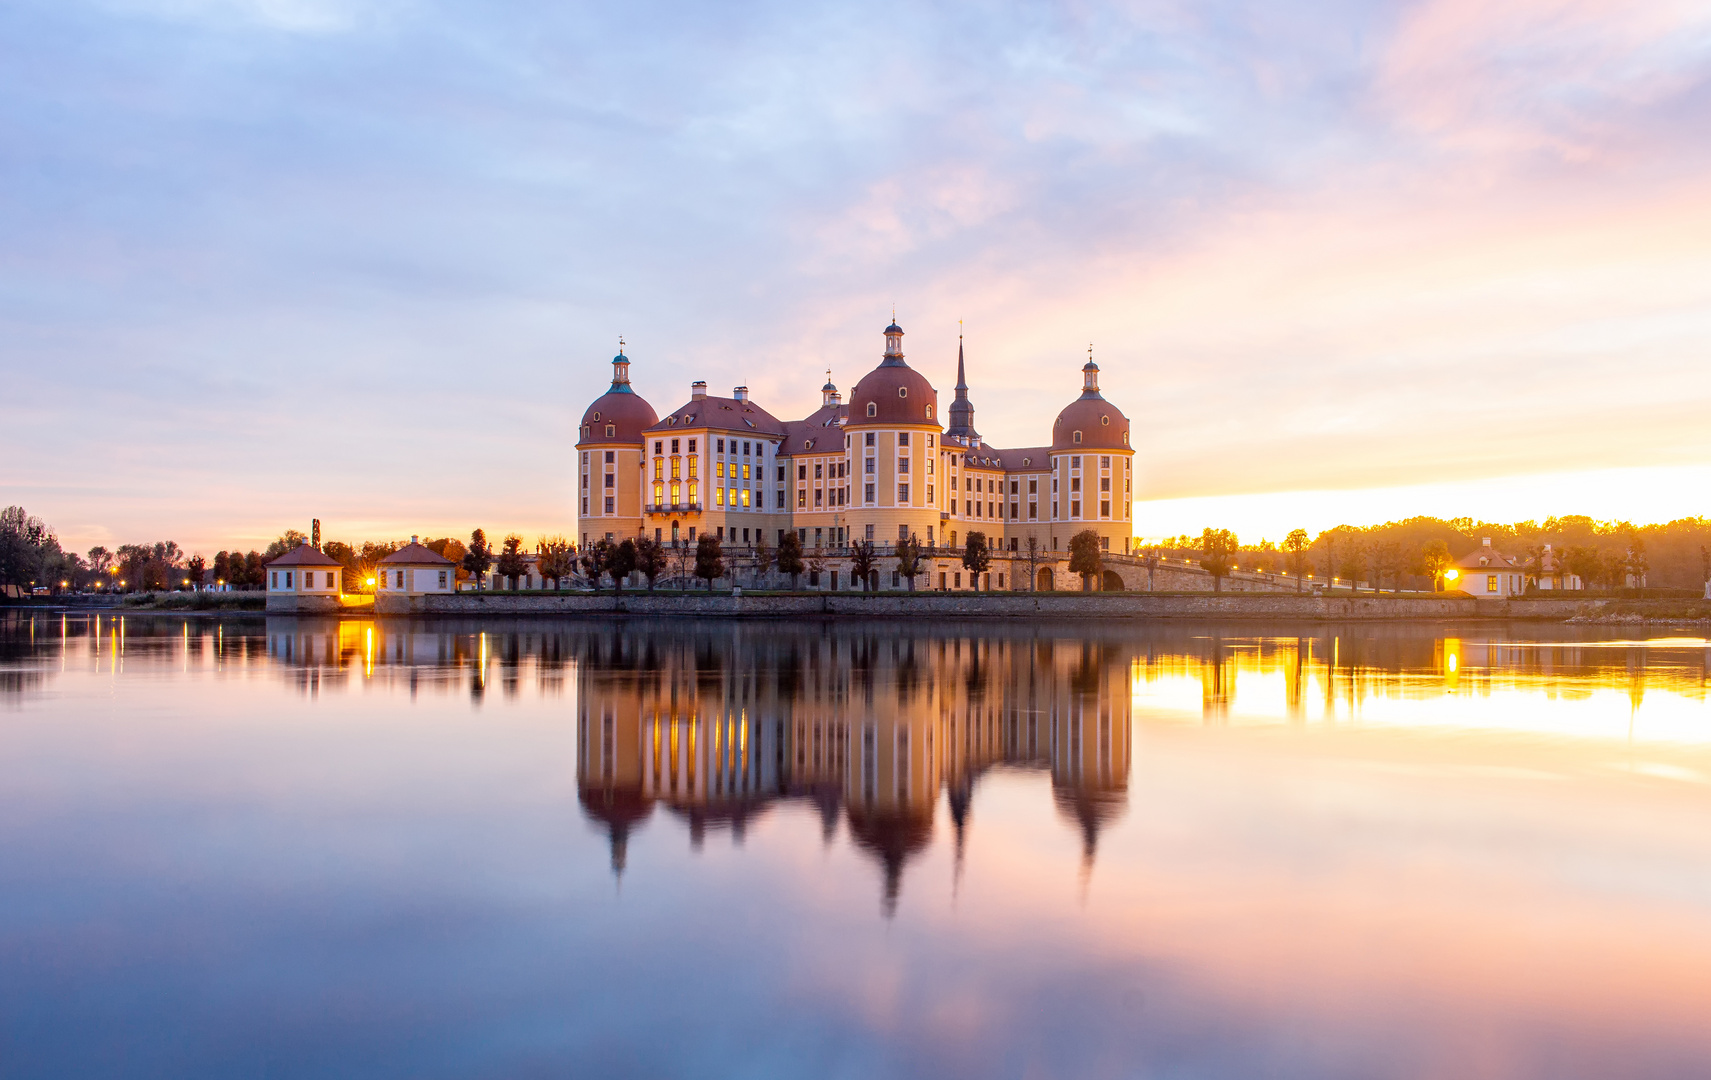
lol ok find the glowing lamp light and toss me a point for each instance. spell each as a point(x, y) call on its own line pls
point(1450, 575)
point(1450, 662)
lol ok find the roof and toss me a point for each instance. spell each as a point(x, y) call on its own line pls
point(1494, 560)
point(306, 555)
point(819, 433)
point(415, 554)
point(720, 414)
point(628, 413)
point(899, 395)
point(1102, 425)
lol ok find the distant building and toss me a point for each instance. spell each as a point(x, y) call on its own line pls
point(1549, 571)
point(304, 579)
point(1486, 573)
point(880, 468)
point(415, 570)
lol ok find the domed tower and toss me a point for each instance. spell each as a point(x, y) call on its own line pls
point(1092, 469)
point(891, 439)
point(609, 459)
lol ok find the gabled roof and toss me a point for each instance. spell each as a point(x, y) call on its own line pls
point(415, 554)
point(720, 414)
point(1494, 560)
point(305, 555)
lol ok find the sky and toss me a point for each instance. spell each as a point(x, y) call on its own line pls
point(368, 260)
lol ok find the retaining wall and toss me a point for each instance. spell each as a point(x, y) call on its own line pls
point(950, 605)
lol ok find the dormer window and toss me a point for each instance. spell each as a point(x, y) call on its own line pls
point(611, 431)
point(872, 409)
point(929, 412)
point(902, 391)
point(1105, 421)
point(596, 418)
point(1076, 437)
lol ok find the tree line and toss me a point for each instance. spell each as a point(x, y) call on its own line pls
point(1414, 553)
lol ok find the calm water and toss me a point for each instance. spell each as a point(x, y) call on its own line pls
point(510, 849)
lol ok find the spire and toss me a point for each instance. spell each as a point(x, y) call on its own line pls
point(893, 345)
point(962, 410)
point(1090, 376)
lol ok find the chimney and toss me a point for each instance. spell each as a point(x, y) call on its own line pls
point(698, 390)
point(741, 393)
point(1485, 541)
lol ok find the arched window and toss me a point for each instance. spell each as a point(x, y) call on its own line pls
point(929, 412)
point(872, 409)
point(1076, 437)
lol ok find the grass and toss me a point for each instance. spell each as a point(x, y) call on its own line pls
point(198, 601)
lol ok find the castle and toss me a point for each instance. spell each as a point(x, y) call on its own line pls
point(880, 468)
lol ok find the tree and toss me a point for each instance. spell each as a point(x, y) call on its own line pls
point(596, 559)
point(101, 560)
point(709, 559)
point(976, 556)
point(1635, 563)
point(449, 549)
point(760, 560)
point(289, 540)
point(683, 557)
point(622, 563)
point(1085, 557)
point(195, 566)
point(478, 558)
point(511, 565)
point(555, 558)
point(790, 556)
point(908, 552)
point(650, 559)
point(1295, 546)
point(1434, 560)
point(1034, 558)
point(862, 558)
point(1217, 550)
point(817, 563)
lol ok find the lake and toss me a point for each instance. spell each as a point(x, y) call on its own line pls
point(519, 848)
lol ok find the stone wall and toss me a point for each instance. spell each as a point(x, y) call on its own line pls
point(302, 604)
point(1127, 605)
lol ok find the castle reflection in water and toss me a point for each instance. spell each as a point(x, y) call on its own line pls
point(716, 722)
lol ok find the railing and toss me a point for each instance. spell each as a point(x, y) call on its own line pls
point(672, 508)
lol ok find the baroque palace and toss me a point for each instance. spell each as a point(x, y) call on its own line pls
point(880, 468)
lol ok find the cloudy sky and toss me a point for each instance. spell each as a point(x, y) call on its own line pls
point(367, 260)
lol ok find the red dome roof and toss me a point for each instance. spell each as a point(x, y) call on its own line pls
point(899, 395)
point(626, 411)
point(1102, 425)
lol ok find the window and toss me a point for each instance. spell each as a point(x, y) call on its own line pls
point(1075, 483)
point(929, 416)
point(721, 446)
point(902, 438)
point(902, 391)
point(611, 480)
point(870, 466)
point(1075, 508)
point(902, 493)
point(902, 532)
point(1033, 511)
point(870, 438)
point(1014, 486)
point(609, 505)
point(400, 579)
point(1104, 463)
point(659, 468)
point(276, 579)
point(659, 447)
point(611, 431)
point(1105, 421)
point(872, 410)
point(902, 465)
point(802, 498)
point(745, 498)
point(802, 472)
point(781, 474)
point(1033, 487)
point(693, 464)
point(1076, 437)
point(1104, 507)
point(1490, 582)
point(719, 469)
point(611, 456)
point(659, 494)
point(745, 468)
point(870, 532)
point(442, 579)
point(870, 497)
point(674, 445)
point(585, 503)
point(692, 446)
point(745, 449)
point(929, 493)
